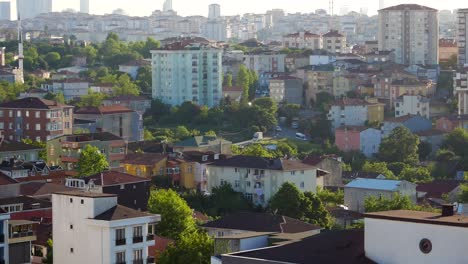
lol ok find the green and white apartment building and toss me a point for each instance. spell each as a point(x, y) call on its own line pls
point(187, 72)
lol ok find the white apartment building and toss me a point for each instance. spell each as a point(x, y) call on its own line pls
point(412, 31)
point(92, 228)
point(71, 88)
point(462, 35)
point(303, 40)
point(190, 72)
point(460, 83)
point(348, 112)
point(264, 62)
point(334, 42)
point(215, 29)
point(412, 105)
point(31, 8)
point(259, 178)
point(4, 217)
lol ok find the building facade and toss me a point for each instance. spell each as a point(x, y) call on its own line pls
point(32, 8)
point(187, 73)
point(355, 112)
point(303, 40)
point(334, 42)
point(460, 83)
point(358, 138)
point(91, 226)
point(462, 35)
point(412, 31)
point(287, 89)
point(412, 105)
point(36, 119)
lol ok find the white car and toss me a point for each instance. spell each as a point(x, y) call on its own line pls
point(278, 129)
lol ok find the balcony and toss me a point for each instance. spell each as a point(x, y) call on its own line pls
point(70, 145)
point(137, 239)
point(69, 159)
point(150, 237)
point(120, 242)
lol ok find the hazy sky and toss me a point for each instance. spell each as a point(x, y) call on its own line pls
point(233, 7)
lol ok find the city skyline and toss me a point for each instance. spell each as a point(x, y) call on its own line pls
point(142, 8)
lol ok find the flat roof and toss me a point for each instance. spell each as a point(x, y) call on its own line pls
point(86, 194)
point(420, 217)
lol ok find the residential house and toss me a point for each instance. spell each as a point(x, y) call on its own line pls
point(412, 105)
point(287, 89)
point(63, 75)
point(439, 192)
point(132, 67)
point(303, 40)
point(409, 86)
point(380, 56)
point(449, 123)
point(355, 112)
point(358, 138)
point(116, 119)
point(204, 144)
point(264, 62)
point(356, 192)
point(342, 84)
point(88, 226)
point(258, 179)
point(295, 61)
point(131, 191)
point(19, 169)
point(352, 175)
point(439, 107)
point(139, 104)
point(18, 150)
point(317, 79)
point(71, 88)
point(321, 58)
point(427, 72)
point(105, 88)
point(35, 189)
point(334, 42)
point(193, 169)
point(146, 165)
point(460, 85)
point(322, 248)
point(448, 49)
point(234, 93)
point(35, 118)
point(65, 151)
point(81, 126)
point(330, 164)
point(39, 93)
point(247, 230)
point(413, 123)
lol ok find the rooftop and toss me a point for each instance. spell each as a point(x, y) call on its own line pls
point(41, 188)
point(103, 110)
point(32, 103)
point(353, 128)
point(262, 163)
point(261, 222)
point(108, 178)
point(120, 212)
point(420, 217)
point(86, 194)
point(333, 34)
point(127, 98)
point(402, 119)
point(374, 184)
point(7, 146)
point(437, 188)
point(102, 136)
point(201, 141)
point(147, 159)
point(329, 247)
point(29, 203)
point(408, 6)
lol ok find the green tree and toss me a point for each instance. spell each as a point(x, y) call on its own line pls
point(224, 200)
point(181, 132)
point(463, 196)
point(39, 144)
point(315, 212)
point(125, 86)
point(53, 59)
point(147, 135)
point(415, 175)
point(93, 99)
point(288, 201)
point(254, 150)
point(398, 202)
point(228, 80)
point(49, 258)
point(330, 198)
point(424, 150)
point(289, 111)
point(192, 247)
point(176, 215)
point(323, 101)
point(91, 161)
point(243, 81)
point(457, 141)
point(397, 167)
point(253, 84)
point(400, 146)
point(144, 79)
point(378, 167)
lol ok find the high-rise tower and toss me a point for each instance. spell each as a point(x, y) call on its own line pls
point(84, 6)
point(167, 6)
point(214, 11)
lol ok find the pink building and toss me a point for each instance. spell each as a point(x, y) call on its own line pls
point(449, 123)
point(347, 138)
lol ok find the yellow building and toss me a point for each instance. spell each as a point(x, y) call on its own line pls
point(342, 85)
point(375, 112)
point(187, 173)
point(144, 165)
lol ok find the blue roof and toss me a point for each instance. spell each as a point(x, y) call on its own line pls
point(374, 184)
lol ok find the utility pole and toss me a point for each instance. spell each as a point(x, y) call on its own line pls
point(330, 7)
point(20, 50)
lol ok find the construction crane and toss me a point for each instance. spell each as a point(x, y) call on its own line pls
point(330, 7)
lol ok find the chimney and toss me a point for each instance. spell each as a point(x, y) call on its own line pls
point(447, 210)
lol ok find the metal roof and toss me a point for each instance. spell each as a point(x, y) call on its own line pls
point(374, 184)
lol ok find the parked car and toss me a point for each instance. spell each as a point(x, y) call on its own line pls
point(278, 129)
point(301, 136)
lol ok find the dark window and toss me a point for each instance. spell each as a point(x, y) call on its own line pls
point(425, 246)
point(71, 250)
point(71, 226)
point(71, 200)
point(82, 201)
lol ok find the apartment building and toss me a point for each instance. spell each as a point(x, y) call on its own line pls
point(35, 118)
point(334, 42)
point(412, 105)
point(186, 71)
point(460, 83)
point(412, 31)
point(355, 112)
point(462, 35)
point(90, 227)
point(303, 40)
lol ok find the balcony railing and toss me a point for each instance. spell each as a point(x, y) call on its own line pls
point(120, 242)
point(137, 239)
point(22, 234)
point(150, 237)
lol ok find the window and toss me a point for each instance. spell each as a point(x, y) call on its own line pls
point(247, 183)
point(38, 127)
point(10, 125)
point(293, 172)
point(71, 226)
point(67, 124)
point(27, 126)
point(2, 125)
point(137, 254)
point(82, 201)
point(137, 234)
point(120, 236)
point(38, 139)
point(71, 200)
point(120, 257)
point(235, 170)
point(1, 113)
point(27, 113)
point(122, 186)
point(302, 172)
point(302, 185)
point(71, 250)
point(237, 184)
point(18, 113)
point(10, 113)
point(38, 114)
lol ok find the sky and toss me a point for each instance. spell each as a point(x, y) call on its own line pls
point(234, 7)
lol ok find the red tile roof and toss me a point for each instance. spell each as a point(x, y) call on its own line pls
point(114, 178)
point(5, 180)
point(333, 34)
point(32, 103)
point(437, 188)
point(103, 110)
point(147, 159)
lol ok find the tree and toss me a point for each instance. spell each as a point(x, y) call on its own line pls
point(457, 141)
point(323, 100)
point(144, 79)
point(424, 150)
point(254, 150)
point(400, 146)
point(53, 59)
point(243, 81)
point(49, 258)
point(192, 247)
point(397, 167)
point(228, 80)
point(331, 198)
point(398, 202)
point(288, 201)
point(289, 111)
point(415, 175)
point(463, 196)
point(91, 161)
point(181, 132)
point(224, 200)
point(253, 84)
point(92, 99)
point(378, 167)
point(315, 212)
point(38, 144)
point(125, 86)
point(147, 135)
point(176, 215)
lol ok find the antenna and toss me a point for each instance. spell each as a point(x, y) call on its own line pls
point(20, 49)
point(330, 7)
